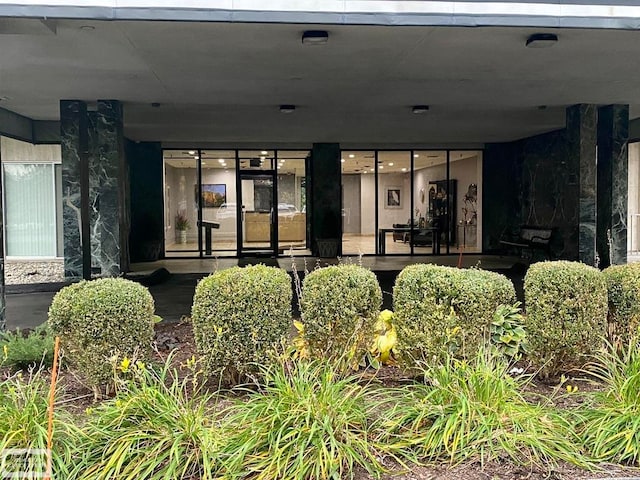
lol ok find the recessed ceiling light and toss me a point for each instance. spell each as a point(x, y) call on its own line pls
point(262, 159)
point(404, 169)
point(380, 167)
point(542, 40)
point(342, 160)
point(192, 152)
point(419, 109)
point(287, 108)
point(263, 152)
point(279, 167)
point(391, 164)
point(351, 155)
point(371, 170)
point(415, 155)
point(196, 157)
point(221, 160)
point(315, 37)
point(87, 27)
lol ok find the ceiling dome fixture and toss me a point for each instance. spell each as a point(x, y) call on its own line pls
point(315, 37)
point(542, 40)
point(418, 109)
point(287, 108)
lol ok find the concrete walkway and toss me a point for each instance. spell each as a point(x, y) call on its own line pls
point(28, 305)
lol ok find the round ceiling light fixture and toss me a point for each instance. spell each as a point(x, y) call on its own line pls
point(420, 109)
point(287, 108)
point(315, 37)
point(541, 40)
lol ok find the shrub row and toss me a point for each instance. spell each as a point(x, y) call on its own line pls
point(242, 316)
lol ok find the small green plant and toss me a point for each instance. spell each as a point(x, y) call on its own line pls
point(241, 319)
point(610, 429)
point(101, 319)
point(340, 305)
point(157, 427)
point(470, 409)
point(508, 335)
point(623, 286)
point(310, 423)
point(442, 310)
point(182, 221)
point(20, 351)
point(566, 315)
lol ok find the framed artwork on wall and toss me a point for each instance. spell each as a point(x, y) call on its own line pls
point(393, 197)
point(213, 194)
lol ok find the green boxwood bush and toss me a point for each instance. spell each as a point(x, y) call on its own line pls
point(444, 310)
point(102, 319)
point(241, 316)
point(566, 305)
point(623, 285)
point(340, 305)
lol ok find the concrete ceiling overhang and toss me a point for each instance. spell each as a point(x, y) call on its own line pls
point(222, 83)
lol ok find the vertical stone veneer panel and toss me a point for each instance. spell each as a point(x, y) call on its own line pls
point(613, 160)
point(110, 173)
point(581, 138)
point(75, 189)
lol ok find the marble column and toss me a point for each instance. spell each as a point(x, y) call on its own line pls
point(75, 189)
point(111, 174)
point(3, 321)
point(94, 190)
point(613, 140)
point(581, 161)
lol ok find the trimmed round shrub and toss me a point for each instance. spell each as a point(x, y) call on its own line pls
point(102, 319)
point(340, 305)
point(241, 317)
point(441, 310)
point(566, 305)
point(623, 285)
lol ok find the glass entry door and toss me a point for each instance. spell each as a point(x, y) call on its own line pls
point(258, 216)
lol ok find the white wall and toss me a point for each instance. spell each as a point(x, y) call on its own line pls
point(367, 201)
point(388, 216)
point(633, 222)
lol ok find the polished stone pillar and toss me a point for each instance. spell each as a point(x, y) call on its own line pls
point(324, 171)
point(94, 190)
point(75, 189)
point(613, 140)
point(110, 172)
point(581, 161)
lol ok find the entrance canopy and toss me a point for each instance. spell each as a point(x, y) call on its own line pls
point(222, 84)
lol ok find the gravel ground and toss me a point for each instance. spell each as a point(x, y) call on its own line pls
point(17, 272)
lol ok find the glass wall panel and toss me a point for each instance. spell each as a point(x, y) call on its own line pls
point(219, 203)
point(358, 203)
point(429, 201)
point(180, 202)
point(292, 202)
point(30, 210)
point(394, 202)
point(257, 159)
point(465, 169)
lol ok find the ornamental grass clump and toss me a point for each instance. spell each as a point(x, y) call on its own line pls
point(340, 306)
point(23, 425)
point(157, 427)
point(566, 305)
point(241, 319)
point(20, 351)
point(309, 423)
point(102, 319)
point(610, 429)
point(475, 410)
point(441, 311)
point(623, 285)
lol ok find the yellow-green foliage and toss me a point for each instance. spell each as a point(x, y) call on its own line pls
point(99, 319)
point(623, 285)
point(241, 316)
point(340, 306)
point(566, 305)
point(443, 310)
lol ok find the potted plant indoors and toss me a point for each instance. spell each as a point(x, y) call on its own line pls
point(182, 225)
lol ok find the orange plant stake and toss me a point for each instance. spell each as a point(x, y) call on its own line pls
point(52, 396)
